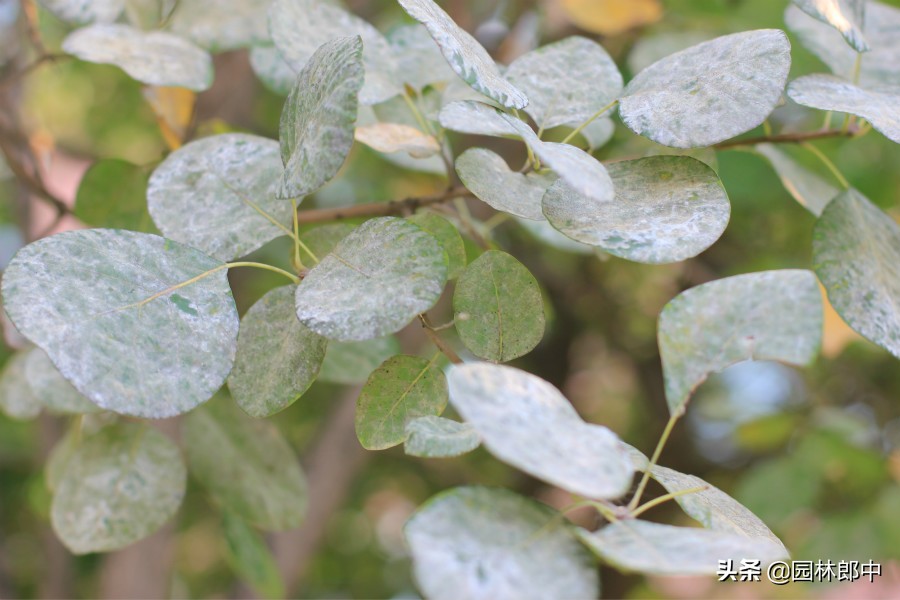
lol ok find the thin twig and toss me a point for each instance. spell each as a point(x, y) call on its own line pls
point(438, 342)
point(787, 138)
point(379, 209)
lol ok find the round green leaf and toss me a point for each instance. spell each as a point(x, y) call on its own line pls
point(353, 362)
point(464, 54)
point(220, 25)
point(709, 92)
point(654, 548)
point(51, 388)
point(807, 188)
point(667, 209)
point(277, 357)
point(113, 193)
point(487, 175)
point(856, 253)
point(448, 235)
point(489, 543)
point(499, 312)
point(118, 487)
point(85, 11)
point(319, 117)
point(106, 305)
point(217, 194)
point(772, 315)
point(246, 465)
point(527, 423)
point(401, 389)
point(17, 400)
point(154, 58)
point(436, 437)
point(847, 16)
point(374, 282)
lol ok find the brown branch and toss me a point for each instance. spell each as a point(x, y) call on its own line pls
point(436, 339)
point(788, 138)
point(379, 209)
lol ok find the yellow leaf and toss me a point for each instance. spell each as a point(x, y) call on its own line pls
point(836, 334)
point(174, 109)
point(609, 17)
point(392, 137)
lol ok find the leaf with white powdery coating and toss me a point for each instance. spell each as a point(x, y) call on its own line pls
point(487, 175)
point(566, 82)
point(654, 548)
point(52, 389)
point(476, 118)
point(211, 194)
point(419, 60)
point(527, 423)
point(667, 209)
point(710, 92)
point(155, 58)
point(220, 25)
point(17, 400)
point(807, 188)
point(447, 234)
point(374, 282)
point(437, 437)
point(498, 309)
point(771, 315)
point(856, 254)
point(319, 116)
point(119, 486)
point(246, 465)
point(401, 389)
point(85, 11)
point(277, 357)
point(827, 92)
point(272, 70)
point(847, 16)
point(106, 305)
point(466, 56)
point(489, 543)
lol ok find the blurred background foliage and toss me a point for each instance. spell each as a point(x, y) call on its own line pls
point(815, 453)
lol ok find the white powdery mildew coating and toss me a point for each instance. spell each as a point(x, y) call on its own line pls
point(319, 115)
point(856, 254)
point(566, 82)
point(771, 315)
point(487, 175)
point(85, 11)
point(154, 58)
point(710, 92)
point(300, 27)
point(827, 92)
point(491, 544)
point(273, 71)
point(667, 208)
point(847, 16)
point(17, 400)
point(80, 295)
point(527, 423)
point(545, 233)
point(203, 194)
point(879, 67)
point(713, 508)
point(477, 118)
point(437, 437)
point(466, 56)
point(419, 60)
point(220, 25)
point(374, 282)
point(277, 358)
point(51, 388)
point(119, 486)
point(807, 188)
point(646, 547)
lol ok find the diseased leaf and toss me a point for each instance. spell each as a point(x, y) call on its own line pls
point(448, 235)
point(464, 54)
point(487, 175)
point(879, 67)
point(113, 193)
point(273, 71)
point(847, 16)
point(436, 437)
point(856, 254)
point(667, 209)
point(82, 12)
point(118, 487)
point(527, 423)
point(498, 309)
point(611, 17)
point(476, 118)
point(652, 47)
point(654, 548)
point(397, 111)
point(489, 543)
point(300, 27)
point(322, 239)
point(353, 362)
point(106, 306)
point(827, 92)
point(545, 233)
point(598, 132)
point(246, 465)
point(51, 388)
point(155, 57)
point(806, 187)
point(772, 315)
point(277, 357)
point(566, 82)
point(220, 25)
point(17, 400)
point(251, 558)
point(319, 116)
point(419, 60)
point(709, 92)
point(401, 389)
point(217, 194)
point(374, 281)
point(393, 137)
